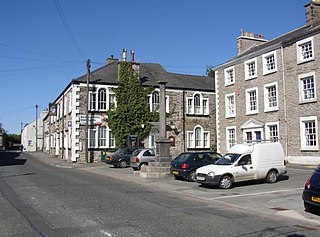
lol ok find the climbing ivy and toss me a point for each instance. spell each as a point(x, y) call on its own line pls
point(132, 115)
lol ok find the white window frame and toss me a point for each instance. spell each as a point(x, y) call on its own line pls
point(267, 130)
point(303, 121)
point(227, 80)
point(267, 107)
point(299, 45)
point(246, 69)
point(204, 139)
point(203, 110)
point(111, 99)
point(265, 57)
point(253, 131)
point(301, 89)
point(150, 100)
point(102, 102)
point(70, 102)
point(248, 101)
point(108, 137)
point(228, 114)
point(230, 144)
point(92, 140)
point(92, 104)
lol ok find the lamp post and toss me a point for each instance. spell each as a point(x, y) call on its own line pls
point(36, 127)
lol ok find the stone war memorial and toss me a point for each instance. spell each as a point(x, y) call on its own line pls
point(160, 168)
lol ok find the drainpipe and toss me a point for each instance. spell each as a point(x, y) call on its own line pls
point(184, 120)
point(284, 104)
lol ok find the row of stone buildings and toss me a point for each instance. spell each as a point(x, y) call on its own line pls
point(190, 100)
point(268, 91)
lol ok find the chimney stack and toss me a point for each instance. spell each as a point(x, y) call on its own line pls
point(111, 59)
point(312, 12)
point(124, 55)
point(247, 40)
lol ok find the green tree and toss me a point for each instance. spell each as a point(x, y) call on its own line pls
point(12, 140)
point(132, 114)
point(210, 72)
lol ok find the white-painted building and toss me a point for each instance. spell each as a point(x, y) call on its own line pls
point(32, 134)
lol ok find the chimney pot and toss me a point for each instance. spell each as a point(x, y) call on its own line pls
point(124, 55)
point(132, 55)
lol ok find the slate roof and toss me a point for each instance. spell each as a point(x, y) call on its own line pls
point(150, 75)
point(283, 40)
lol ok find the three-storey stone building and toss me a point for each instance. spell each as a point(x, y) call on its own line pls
point(270, 91)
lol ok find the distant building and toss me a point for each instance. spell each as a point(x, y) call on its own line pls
point(2, 138)
point(270, 91)
point(189, 99)
point(32, 134)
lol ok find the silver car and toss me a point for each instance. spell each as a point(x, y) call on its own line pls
point(141, 157)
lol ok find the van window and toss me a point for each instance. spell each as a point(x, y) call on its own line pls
point(227, 159)
point(245, 160)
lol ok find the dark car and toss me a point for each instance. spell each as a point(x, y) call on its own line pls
point(311, 193)
point(185, 165)
point(121, 158)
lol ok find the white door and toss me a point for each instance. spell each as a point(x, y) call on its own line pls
point(243, 169)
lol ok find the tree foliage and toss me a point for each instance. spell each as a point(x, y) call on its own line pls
point(132, 115)
point(210, 72)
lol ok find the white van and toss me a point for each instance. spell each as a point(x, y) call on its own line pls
point(245, 162)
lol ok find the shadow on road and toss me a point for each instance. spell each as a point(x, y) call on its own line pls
point(11, 158)
point(247, 183)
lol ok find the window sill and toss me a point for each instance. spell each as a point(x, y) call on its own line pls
point(315, 149)
point(271, 110)
point(252, 112)
point(197, 115)
point(269, 72)
point(305, 61)
point(308, 101)
point(250, 78)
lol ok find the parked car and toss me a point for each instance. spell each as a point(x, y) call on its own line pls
point(311, 192)
point(121, 158)
point(245, 162)
point(141, 157)
point(185, 165)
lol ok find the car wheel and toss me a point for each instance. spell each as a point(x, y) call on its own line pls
point(141, 165)
point(123, 164)
point(272, 176)
point(177, 177)
point(311, 208)
point(225, 182)
point(192, 176)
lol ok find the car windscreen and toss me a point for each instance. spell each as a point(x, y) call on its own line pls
point(227, 159)
point(120, 151)
point(183, 157)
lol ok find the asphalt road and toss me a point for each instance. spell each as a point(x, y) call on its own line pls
point(43, 196)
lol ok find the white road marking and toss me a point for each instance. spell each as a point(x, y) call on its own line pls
point(254, 194)
point(61, 166)
point(105, 233)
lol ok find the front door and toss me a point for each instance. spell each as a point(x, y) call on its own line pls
point(243, 169)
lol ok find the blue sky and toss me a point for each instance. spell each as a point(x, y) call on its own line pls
point(38, 56)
